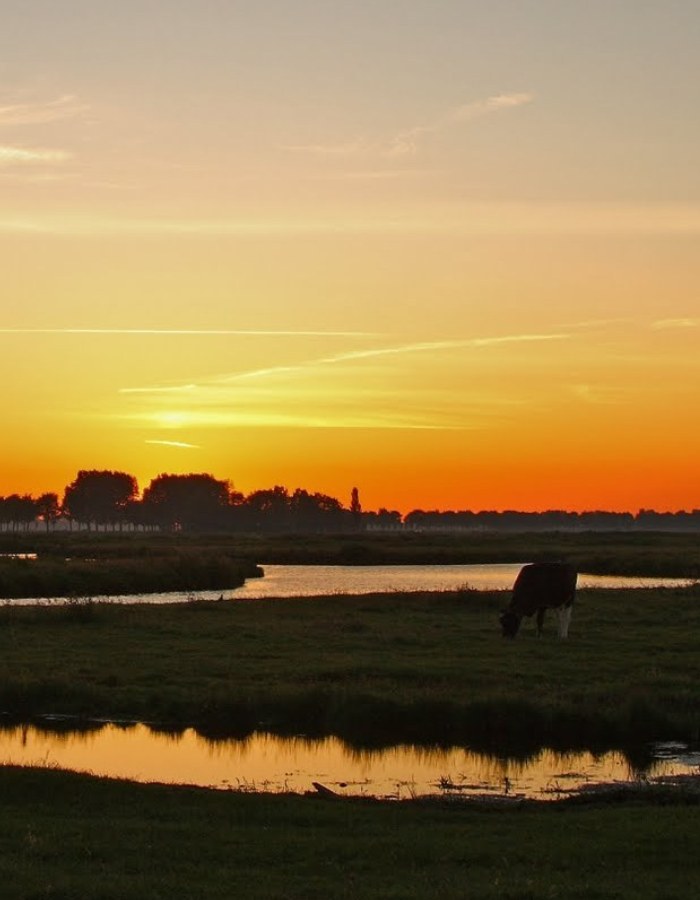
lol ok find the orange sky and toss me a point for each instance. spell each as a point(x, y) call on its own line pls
point(446, 252)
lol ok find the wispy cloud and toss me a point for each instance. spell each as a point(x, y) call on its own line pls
point(408, 140)
point(12, 156)
point(387, 174)
point(330, 392)
point(463, 219)
point(402, 349)
point(675, 323)
point(64, 107)
point(597, 395)
point(181, 444)
point(350, 148)
point(183, 332)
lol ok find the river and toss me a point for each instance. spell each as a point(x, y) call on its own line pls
point(282, 582)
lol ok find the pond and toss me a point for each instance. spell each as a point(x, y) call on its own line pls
point(266, 762)
point(312, 581)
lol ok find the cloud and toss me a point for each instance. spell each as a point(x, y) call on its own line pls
point(449, 218)
point(181, 444)
point(419, 347)
point(370, 388)
point(372, 174)
point(64, 107)
point(408, 140)
point(675, 323)
point(352, 148)
point(10, 156)
point(597, 395)
point(184, 332)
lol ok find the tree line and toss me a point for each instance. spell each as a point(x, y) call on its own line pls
point(105, 499)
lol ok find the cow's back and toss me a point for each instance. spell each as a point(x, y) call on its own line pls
point(548, 584)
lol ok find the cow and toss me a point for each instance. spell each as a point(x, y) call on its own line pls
point(538, 587)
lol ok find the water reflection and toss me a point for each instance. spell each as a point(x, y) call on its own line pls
point(313, 581)
point(266, 762)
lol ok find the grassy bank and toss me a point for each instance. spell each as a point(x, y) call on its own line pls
point(58, 575)
point(70, 836)
point(373, 669)
point(623, 553)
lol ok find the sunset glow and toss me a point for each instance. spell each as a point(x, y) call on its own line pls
point(446, 252)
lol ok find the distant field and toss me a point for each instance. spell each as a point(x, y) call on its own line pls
point(622, 553)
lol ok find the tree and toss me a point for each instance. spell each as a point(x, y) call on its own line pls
point(191, 502)
point(315, 512)
point(99, 497)
point(48, 509)
point(18, 510)
point(269, 509)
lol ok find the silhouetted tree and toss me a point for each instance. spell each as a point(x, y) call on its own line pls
point(48, 509)
point(356, 509)
point(190, 502)
point(99, 497)
point(268, 510)
point(384, 519)
point(17, 511)
point(315, 512)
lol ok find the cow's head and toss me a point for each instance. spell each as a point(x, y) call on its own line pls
point(510, 622)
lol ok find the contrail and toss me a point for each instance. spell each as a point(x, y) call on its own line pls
point(185, 332)
point(175, 444)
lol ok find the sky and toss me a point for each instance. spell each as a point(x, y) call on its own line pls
point(445, 251)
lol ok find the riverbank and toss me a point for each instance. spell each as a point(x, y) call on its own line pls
point(601, 553)
point(66, 835)
point(374, 670)
point(98, 573)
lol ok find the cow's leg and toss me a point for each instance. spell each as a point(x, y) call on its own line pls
point(540, 619)
point(564, 613)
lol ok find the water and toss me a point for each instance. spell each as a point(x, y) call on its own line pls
point(308, 581)
point(313, 581)
point(265, 762)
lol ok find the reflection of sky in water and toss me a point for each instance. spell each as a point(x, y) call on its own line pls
point(266, 762)
point(314, 581)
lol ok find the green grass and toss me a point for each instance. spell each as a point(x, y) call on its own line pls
point(77, 838)
point(375, 669)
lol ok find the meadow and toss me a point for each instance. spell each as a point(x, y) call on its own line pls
point(373, 669)
point(426, 668)
point(78, 838)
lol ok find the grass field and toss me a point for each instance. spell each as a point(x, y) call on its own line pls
point(78, 838)
point(373, 669)
point(426, 668)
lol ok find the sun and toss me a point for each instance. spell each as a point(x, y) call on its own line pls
point(172, 419)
